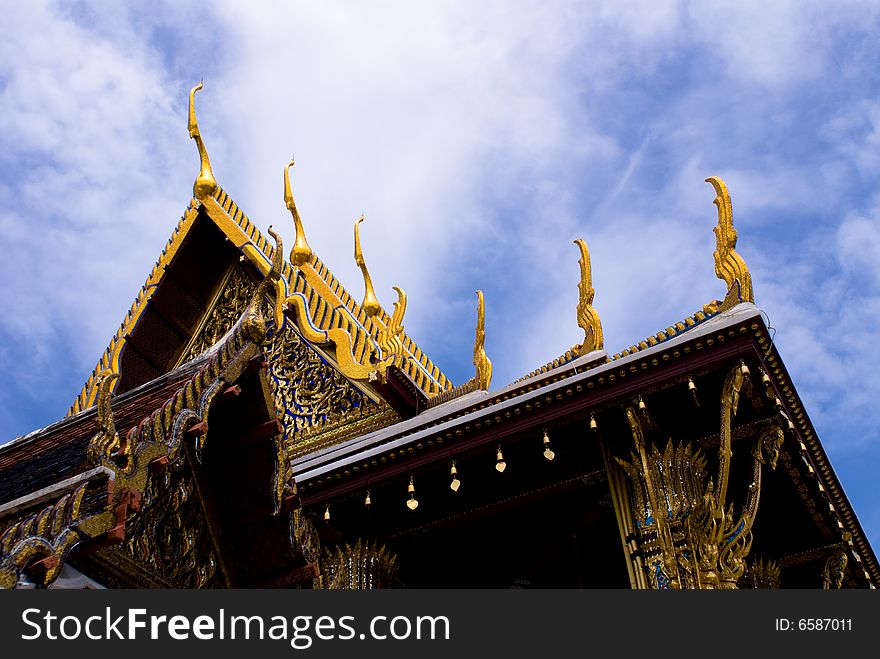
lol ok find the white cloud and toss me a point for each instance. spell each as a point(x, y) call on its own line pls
point(479, 140)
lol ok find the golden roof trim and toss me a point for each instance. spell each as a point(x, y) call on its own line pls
point(109, 361)
point(668, 333)
point(245, 235)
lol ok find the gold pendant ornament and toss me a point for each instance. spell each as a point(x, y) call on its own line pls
point(412, 503)
point(456, 483)
point(500, 464)
point(548, 452)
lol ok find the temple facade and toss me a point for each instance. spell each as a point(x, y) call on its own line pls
point(251, 424)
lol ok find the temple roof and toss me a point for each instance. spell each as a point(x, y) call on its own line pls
point(571, 390)
point(332, 311)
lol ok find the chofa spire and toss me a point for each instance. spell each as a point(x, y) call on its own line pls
point(205, 182)
point(481, 362)
point(300, 253)
point(588, 319)
point(370, 305)
point(729, 265)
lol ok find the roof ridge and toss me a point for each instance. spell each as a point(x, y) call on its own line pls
point(325, 312)
point(426, 375)
point(108, 360)
point(708, 311)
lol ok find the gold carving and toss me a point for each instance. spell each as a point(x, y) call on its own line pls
point(588, 319)
point(370, 305)
point(762, 574)
point(361, 566)
point(228, 308)
point(729, 266)
point(254, 323)
point(356, 423)
point(308, 391)
point(481, 362)
point(168, 536)
point(687, 529)
point(300, 253)
point(390, 338)
point(834, 570)
point(47, 536)
point(106, 442)
point(343, 339)
point(205, 182)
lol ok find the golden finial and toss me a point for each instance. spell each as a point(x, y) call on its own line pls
point(481, 361)
point(390, 339)
point(205, 181)
point(106, 441)
point(254, 323)
point(729, 265)
point(301, 253)
point(370, 305)
point(588, 319)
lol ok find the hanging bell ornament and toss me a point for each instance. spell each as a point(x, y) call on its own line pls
point(327, 514)
point(500, 464)
point(548, 452)
point(367, 501)
point(455, 484)
point(412, 503)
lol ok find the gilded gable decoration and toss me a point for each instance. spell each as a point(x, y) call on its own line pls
point(106, 442)
point(46, 536)
point(390, 338)
point(689, 534)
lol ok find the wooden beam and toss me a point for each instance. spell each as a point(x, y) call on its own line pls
point(231, 392)
point(268, 430)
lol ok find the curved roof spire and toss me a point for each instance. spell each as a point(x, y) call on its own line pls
point(729, 265)
point(370, 305)
point(481, 361)
point(588, 319)
point(300, 253)
point(205, 181)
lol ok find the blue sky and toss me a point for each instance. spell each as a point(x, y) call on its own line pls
point(479, 141)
